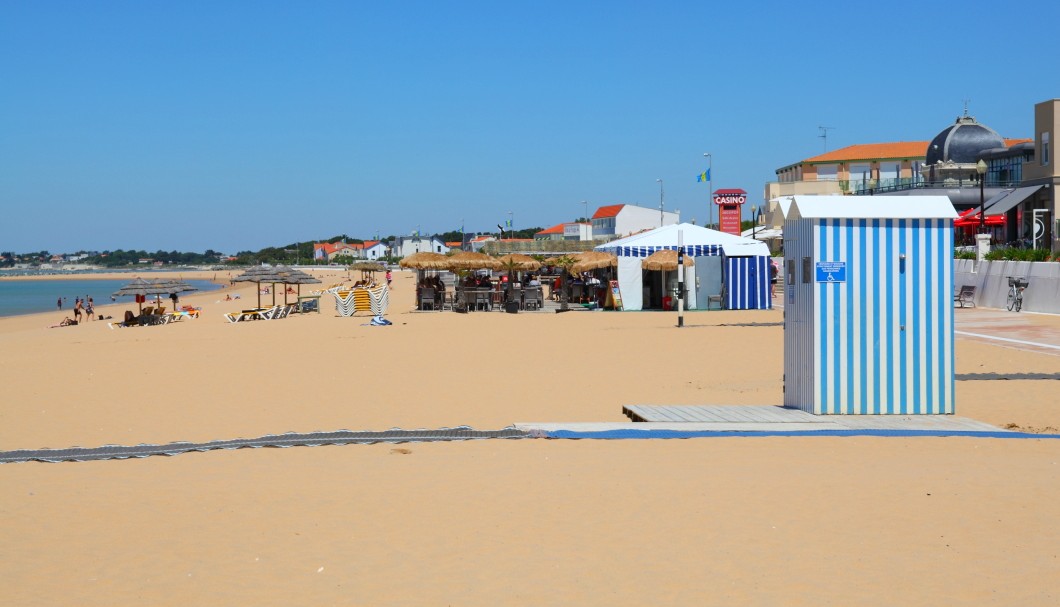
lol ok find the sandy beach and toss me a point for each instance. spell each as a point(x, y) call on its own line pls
point(717, 521)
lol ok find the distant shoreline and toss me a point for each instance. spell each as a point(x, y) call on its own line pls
point(116, 275)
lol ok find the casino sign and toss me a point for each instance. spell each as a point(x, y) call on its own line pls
point(729, 202)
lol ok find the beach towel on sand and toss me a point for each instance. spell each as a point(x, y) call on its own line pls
point(378, 321)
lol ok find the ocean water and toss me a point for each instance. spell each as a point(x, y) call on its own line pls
point(32, 296)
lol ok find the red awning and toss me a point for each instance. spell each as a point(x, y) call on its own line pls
point(970, 218)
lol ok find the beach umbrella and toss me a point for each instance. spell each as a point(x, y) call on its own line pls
point(259, 275)
point(294, 276)
point(426, 260)
point(518, 261)
point(472, 260)
point(173, 286)
point(368, 266)
point(665, 259)
point(144, 288)
point(592, 260)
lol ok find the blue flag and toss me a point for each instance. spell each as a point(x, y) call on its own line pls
point(704, 176)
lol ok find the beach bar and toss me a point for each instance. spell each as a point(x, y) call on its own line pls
point(730, 270)
point(868, 321)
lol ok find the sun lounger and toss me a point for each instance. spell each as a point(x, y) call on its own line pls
point(242, 315)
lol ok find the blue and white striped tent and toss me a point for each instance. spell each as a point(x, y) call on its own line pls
point(746, 269)
point(868, 323)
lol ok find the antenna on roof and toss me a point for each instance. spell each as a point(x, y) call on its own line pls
point(824, 135)
point(965, 106)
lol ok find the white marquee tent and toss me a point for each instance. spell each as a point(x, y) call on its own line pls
point(697, 242)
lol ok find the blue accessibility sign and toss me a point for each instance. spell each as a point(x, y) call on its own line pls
point(831, 271)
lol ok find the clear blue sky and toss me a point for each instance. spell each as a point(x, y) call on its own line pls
point(234, 126)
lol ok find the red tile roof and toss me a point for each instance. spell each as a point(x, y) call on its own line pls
point(874, 151)
point(883, 151)
point(453, 244)
point(556, 229)
point(608, 211)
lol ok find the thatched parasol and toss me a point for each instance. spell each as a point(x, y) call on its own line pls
point(368, 266)
point(263, 274)
point(593, 260)
point(471, 260)
point(174, 286)
point(427, 260)
point(139, 286)
point(665, 259)
point(518, 261)
point(294, 276)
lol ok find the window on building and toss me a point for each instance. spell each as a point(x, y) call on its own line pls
point(827, 172)
point(1045, 149)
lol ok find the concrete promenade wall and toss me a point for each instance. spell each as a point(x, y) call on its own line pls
point(990, 280)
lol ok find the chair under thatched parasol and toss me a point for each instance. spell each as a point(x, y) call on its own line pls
point(665, 260)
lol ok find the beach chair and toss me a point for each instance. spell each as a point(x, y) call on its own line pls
point(966, 296)
point(577, 293)
point(427, 298)
point(243, 315)
point(268, 313)
point(533, 299)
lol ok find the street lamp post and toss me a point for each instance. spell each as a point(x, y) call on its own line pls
point(754, 221)
point(585, 217)
point(710, 181)
point(660, 202)
point(980, 167)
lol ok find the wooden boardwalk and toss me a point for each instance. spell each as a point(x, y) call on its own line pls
point(795, 418)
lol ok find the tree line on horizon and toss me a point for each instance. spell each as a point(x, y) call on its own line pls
point(293, 253)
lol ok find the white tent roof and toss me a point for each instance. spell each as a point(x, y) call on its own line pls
point(764, 233)
point(871, 207)
point(780, 208)
point(693, 235)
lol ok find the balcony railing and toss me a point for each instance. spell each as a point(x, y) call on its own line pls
point(884, 186)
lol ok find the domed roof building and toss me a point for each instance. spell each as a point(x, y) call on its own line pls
point(952, 154)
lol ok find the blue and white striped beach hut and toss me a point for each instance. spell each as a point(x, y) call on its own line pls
point(743, 274)
point(868, 322)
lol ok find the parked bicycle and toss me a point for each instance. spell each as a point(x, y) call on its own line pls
point(1016, 286)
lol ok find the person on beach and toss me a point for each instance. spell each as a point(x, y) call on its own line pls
point(60, 304)
point(773, 271)
point(66, 322)
point(90, 308)
point(389, 277)
point(77, 309)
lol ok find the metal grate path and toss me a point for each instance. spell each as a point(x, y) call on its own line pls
point(291, 439)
